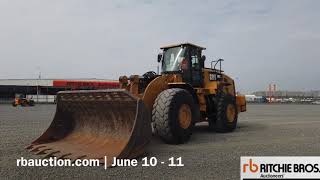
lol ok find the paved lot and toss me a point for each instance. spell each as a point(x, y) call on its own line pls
point(263, 130)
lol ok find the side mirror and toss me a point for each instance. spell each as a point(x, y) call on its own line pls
point(159, 57)
point(203, 58)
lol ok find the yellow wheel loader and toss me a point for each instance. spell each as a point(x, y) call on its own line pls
point(119, 123)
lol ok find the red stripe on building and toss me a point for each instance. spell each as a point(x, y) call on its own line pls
point(75, 84)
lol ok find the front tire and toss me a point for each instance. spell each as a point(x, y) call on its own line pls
point(173, 115)
point(226, 114)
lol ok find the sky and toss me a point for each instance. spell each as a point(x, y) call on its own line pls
point(262, 41)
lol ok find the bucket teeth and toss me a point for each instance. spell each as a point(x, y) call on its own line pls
point(29, 146)
point(81, 157)
point(50, 154)
point(35, 148)
point(43, 151)
point(63, 156)
point(75, 157)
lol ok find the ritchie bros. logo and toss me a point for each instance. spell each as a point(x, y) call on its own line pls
point(252, 167)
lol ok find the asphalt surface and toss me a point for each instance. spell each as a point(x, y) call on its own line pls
point(263, 130)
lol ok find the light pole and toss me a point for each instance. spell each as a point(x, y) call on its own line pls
point(39, 78)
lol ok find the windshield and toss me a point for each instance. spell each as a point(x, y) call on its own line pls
point(172, 59)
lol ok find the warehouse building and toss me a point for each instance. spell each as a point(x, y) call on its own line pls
point(45, 90)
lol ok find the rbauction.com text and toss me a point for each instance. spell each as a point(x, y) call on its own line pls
point(53, 161)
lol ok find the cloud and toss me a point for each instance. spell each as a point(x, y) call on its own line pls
point(261, 41)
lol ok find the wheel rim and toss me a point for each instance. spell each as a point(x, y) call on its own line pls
point(231, 112)
point(185, 116)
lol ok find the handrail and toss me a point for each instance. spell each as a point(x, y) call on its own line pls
point(216, 62)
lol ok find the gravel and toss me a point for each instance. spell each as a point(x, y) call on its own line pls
point(263, 130)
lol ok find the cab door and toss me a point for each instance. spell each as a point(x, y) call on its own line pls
point(196, 69)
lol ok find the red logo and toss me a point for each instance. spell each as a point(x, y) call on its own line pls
point(252, 167)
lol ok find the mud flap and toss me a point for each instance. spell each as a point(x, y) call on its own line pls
point(92, 124)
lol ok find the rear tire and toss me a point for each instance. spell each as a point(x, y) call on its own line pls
point(226, 115)
point(173, 115)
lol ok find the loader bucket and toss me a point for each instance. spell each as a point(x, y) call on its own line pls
point(91, 124)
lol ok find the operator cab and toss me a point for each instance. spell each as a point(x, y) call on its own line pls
point(185, 59)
